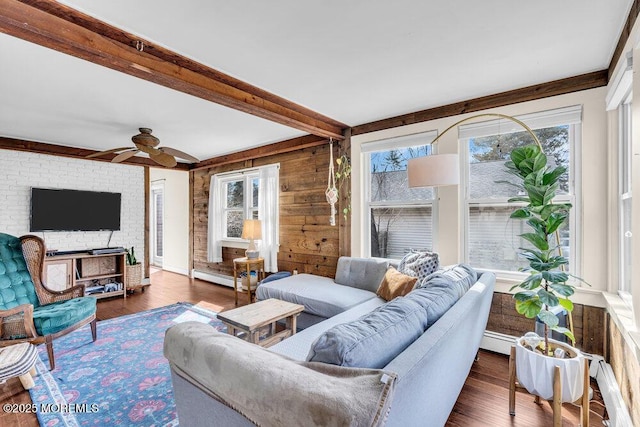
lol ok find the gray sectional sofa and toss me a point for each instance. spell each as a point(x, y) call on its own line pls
point(429, 373)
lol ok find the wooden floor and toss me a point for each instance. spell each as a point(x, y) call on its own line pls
point(482, 402)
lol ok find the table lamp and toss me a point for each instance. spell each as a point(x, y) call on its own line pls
point(252, 230)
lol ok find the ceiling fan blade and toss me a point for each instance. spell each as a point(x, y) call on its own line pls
point(180, 154)
point(149, 150)
point(164, 159)
point(124, 156)
point(102, 153)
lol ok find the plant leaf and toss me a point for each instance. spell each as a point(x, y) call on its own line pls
point(547, 298)
point(520, 214)
point(538, 240)
point(562, 289)
point(548, 318)
point(530, 308)
point(554, 175)
point(566, 303)
point(565, 331)
point(555, 277)
point(523, 296)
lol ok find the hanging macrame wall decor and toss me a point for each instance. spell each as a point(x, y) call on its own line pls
point(332, 191)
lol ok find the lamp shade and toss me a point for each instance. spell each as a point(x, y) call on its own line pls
point(436, 170)
point(252, 229)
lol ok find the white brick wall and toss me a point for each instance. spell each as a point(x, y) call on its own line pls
point(19, 171)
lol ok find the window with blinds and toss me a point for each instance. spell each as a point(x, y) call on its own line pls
point(397, 218)
point(491, 238)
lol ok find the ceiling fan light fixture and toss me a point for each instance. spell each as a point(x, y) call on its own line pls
point(145, 142)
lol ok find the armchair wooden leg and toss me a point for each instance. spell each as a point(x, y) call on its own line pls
point(512, 381)
point(52, 361)
point(94, 333)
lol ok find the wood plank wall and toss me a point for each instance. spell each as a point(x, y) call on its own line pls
point(307, 242)
point(588, 323)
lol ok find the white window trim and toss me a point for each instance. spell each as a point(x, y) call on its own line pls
point(410, 140)
point(557, 117)
point(624, 182)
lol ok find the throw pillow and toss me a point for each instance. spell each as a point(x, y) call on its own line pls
point(459, 277)
point(374, 339)
point(419, 264)
point(395, 284)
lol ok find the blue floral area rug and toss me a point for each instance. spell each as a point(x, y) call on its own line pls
point(122, 379)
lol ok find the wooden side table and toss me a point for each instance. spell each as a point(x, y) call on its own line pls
point(246, 265)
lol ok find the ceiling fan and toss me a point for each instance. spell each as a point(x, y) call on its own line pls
point(145, 142)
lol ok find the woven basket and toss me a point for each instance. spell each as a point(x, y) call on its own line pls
point(134, 276)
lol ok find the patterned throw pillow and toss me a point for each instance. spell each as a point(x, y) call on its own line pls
point(419, 264)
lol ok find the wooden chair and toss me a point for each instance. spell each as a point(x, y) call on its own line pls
point(29, 311)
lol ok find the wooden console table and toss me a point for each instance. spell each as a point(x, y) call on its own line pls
point(64, 271)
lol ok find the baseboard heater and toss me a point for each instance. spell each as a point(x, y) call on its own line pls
point(220, 279)
point(598, 369)
point(616, 408)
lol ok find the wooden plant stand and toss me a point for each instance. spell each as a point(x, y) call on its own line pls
point(556, 403)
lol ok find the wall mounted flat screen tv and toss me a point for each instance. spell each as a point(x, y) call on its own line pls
point(74, 210)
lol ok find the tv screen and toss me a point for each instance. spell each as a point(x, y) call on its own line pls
point(74, 210)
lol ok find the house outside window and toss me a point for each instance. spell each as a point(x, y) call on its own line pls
point(397, 219)
point(491, 239)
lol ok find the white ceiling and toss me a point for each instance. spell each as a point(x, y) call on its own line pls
point(355, 61)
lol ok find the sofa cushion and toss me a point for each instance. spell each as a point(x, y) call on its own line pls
point(419, 264)
point(373, 340)
point(319, 295)
point(435, 300)
point(361, 273)
point(460, 277)
point(52, 318)
point(439, 291)
point(395, 284)
point(297, 346)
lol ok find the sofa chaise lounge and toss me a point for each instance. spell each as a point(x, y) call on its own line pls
point(429, 373)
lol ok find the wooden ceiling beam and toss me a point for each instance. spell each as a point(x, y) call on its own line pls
point(529, 93)
point(64, 29)
point(75, 153)
point(266, 150)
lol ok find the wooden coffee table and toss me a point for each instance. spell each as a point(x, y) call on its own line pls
point(256, 322)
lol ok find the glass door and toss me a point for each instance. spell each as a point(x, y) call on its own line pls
point(157, 222)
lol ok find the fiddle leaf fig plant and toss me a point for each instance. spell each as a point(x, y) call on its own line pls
point(547, 285)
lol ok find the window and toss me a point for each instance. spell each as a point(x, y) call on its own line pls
point(624, 196)
point(397, 218)
point(491, 238)
point(239, 207)
point(240, 195)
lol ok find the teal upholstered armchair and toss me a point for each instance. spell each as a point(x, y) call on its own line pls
point(29, 311)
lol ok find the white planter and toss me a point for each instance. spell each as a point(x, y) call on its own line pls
point(535, 372)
